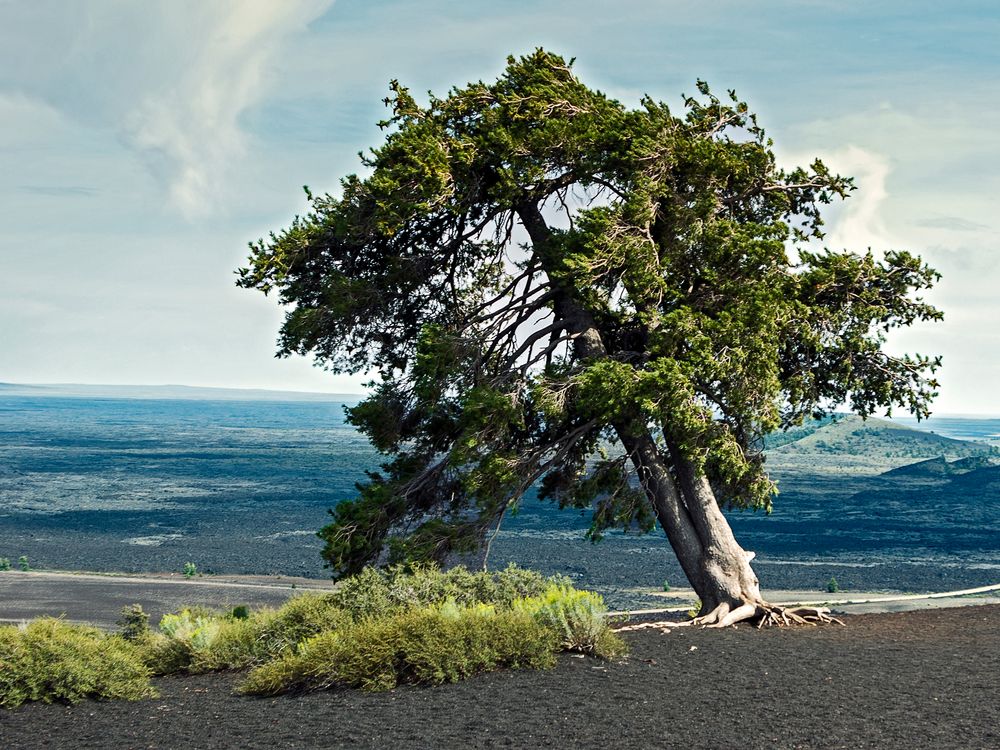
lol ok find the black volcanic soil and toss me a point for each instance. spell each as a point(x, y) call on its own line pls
point(923, 679)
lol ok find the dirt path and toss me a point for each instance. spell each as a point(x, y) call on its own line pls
point(98, 599)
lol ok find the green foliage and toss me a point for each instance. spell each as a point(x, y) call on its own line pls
point(4, 563)
point(578, 617)
point(195, 640)
point(199, 627)
point(832, 586)
point(164, 655)
point(666, 585)
point(190, 570)
point(668, 307)
point(49, 660)
point(381, 629)
point(133, 623)
point(182, 638)
point(268, 634)
point(433, 627)
point(240, 612)
point(442, 643)
point(376, 593)
point(22, 563)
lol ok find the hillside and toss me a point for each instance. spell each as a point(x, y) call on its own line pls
point(849, 444)
point(779, 438)
point(939, 467)
point(853, 435)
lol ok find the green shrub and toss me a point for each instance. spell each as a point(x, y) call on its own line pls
point(268, 634)
point(197, 627)
point(163, 655)
point(434, 644)
point(577, 617)
point(22, 563)
point(381, 628)
point(4, 563)
point(133, 623)
point(199, 640)
point(182, 637)
point(374, 593)
point(49, 660)
point(240, 612)
point(190, 570)
point(832, 587)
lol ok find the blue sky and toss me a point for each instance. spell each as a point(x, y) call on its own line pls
point(143, 144)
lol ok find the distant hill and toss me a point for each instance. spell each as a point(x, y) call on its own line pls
point(967, 502)
point(940, 467)
point(852, 435)
point(784, 437)
point(850, 446)
point(169, 392)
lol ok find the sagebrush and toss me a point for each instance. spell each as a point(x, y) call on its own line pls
point(50, 660)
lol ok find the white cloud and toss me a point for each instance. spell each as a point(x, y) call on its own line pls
point(860, 223)
point(188, 129)
point(170, 78)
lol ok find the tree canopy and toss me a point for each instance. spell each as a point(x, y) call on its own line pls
point(616, 303)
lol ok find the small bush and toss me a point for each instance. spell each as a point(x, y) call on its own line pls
point(240, 612)
point(22, 563)
point(190, 570)
point(374, 593)
point(381, 628)
point(435, 644)
point(832, 587)
point(577, 617)
point(49, 660)
point(197, 627)
point(4, 563)
point(198, 640)
point(163, 655)
point(133, 623)
point(182, 637)
point(269, 634)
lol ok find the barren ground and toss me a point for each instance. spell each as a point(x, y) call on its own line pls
point(922, 679)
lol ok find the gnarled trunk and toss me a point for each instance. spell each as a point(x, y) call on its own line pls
point(717, 567)
point(685, 505)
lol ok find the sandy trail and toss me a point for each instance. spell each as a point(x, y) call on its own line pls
point(99, 598)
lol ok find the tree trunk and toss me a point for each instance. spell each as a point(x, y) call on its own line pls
point(730, 582)
point(717, 567)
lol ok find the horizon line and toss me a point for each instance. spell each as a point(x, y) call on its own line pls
point(353, 394)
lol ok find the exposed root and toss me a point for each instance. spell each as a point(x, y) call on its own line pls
point(759, 614)
point(712, 618)
point(743, 612)
point(763, 614)
point(769, 614)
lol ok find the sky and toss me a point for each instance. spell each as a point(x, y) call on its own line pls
point(144, 144)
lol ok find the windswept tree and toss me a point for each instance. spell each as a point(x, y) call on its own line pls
point(614, 304)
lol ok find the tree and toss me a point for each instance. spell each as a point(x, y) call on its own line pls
point(614, 303)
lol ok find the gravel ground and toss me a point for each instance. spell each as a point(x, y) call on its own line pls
point(912, 680)
point(619, 567)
